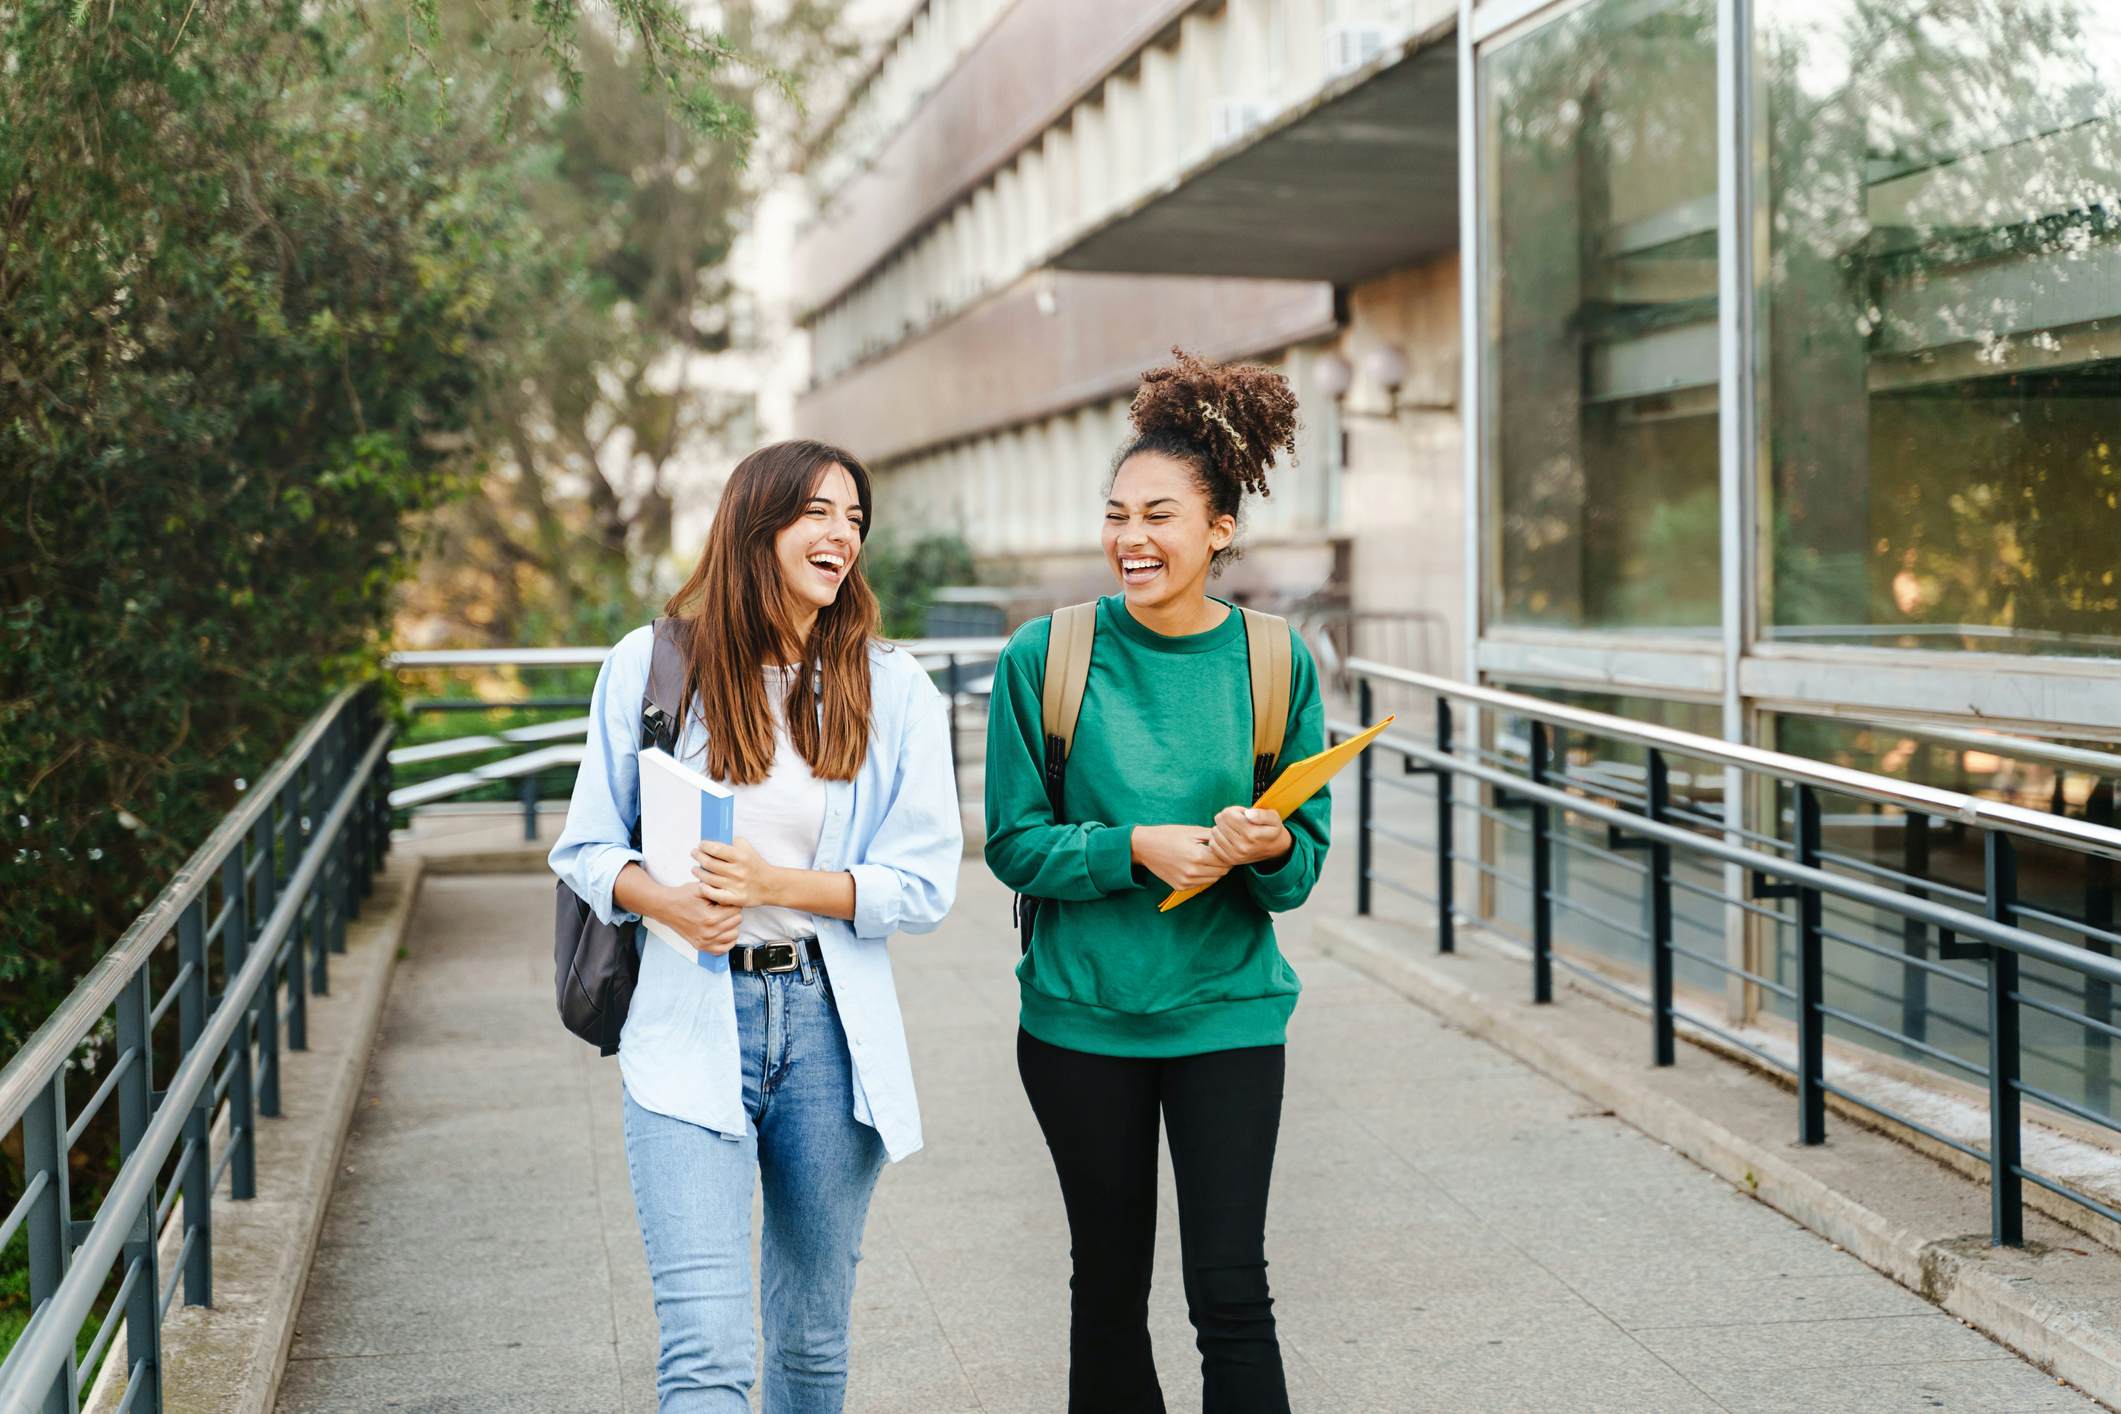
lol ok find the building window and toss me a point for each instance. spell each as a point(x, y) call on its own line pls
point(1600, 366)
point(1940, 323)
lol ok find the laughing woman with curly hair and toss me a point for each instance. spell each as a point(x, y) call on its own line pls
point(1129, 1015)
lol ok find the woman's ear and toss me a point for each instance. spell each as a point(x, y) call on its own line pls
point(1221, 531)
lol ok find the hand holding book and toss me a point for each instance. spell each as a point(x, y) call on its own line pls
point(1248, 834)
point(732, 873)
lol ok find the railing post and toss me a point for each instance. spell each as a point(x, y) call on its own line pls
point(265, 1007)
point(2006, 1188)
point(383, 783)
point(956, 777)
point(316, 908)
point(360, 820)
point(136, 1106)
point(298, 975)
point(196, 1177)
point(50, 1223)
point(1542, 874)
point(1364, 797)
point(242, 1100)
point(1658, 809)
point(1446, 865)
point(529, 795)
point(1915, 934)
point(339, 877)
point(1811, 978)
point(2098, 992)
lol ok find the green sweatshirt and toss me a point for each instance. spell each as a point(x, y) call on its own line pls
point(1165, 738)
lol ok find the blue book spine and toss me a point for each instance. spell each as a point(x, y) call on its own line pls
point(718, 823)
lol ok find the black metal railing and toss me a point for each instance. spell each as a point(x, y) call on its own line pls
point(1795, 884)
point(534, 762)
point(253, 919)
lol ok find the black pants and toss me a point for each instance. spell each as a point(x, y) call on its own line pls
point(1222, 1112)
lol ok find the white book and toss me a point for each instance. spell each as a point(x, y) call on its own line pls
point(680, 808)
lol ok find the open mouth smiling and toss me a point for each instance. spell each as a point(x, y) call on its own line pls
point(1139, 569)
point(828, 564)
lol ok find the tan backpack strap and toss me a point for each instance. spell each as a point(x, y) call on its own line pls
point(1067, 670)
point(1267, 639)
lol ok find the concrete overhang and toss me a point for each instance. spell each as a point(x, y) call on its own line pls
point(1049, 343)
point(1361, 179)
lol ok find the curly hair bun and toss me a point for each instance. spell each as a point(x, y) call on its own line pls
point(1239, 414)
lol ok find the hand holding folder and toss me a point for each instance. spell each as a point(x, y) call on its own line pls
point(1296, 785)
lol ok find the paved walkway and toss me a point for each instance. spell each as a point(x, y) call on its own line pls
point(1450, 1231)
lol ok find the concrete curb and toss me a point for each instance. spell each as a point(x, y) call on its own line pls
point(229, 1358)
point(1944, 1270)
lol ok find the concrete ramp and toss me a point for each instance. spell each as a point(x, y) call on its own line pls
point(1450, 1230)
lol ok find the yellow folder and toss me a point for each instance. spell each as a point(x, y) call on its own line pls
point(1296, 785)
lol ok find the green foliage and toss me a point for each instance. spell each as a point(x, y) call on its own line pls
point(906, 573)
point(605, 423)
point(267, 268)
point(250, 312)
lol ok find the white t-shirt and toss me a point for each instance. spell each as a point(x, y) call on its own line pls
point(782, 817)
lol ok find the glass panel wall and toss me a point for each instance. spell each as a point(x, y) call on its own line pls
point(1941, 323)
point(1599, 240)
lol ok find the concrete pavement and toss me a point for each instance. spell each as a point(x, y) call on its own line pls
point(1450, 1230)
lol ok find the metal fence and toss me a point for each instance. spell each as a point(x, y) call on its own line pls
point(1787, 875)
point(253, 918)
point(536, 762)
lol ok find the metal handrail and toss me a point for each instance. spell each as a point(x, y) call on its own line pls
point(589, 657)
point(2060, 831)
point(1937, 915)
point(84, 1007)
point(526, 768)
point(1987, 926)
point(47, 1344)
point(321, 807)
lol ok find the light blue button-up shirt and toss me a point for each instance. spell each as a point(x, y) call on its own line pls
point(895, 828)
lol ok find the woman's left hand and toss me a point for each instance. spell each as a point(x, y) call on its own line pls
point(733, 873)
point(1243, 835)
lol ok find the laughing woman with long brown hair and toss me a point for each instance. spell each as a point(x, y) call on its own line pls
point(784, 1059)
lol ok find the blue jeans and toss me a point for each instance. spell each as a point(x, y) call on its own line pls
point(692, 1191)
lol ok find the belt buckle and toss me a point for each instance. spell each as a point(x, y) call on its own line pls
point(776, 957)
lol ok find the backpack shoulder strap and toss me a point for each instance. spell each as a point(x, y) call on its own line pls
point(1267, 640)
point(660, 705)
point(1067, 671)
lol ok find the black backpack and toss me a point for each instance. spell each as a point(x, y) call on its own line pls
point(1068, 646)
point(596, 964)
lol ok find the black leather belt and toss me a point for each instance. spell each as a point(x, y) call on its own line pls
point(786, 956)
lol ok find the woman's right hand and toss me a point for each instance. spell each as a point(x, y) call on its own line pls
point(1176, 854)
point(709, 926)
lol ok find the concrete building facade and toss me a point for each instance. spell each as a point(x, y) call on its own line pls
point(1750, 368)
point(1030, 203)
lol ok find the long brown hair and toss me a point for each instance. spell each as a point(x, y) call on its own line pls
point(736, 621)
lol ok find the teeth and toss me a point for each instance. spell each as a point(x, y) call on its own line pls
point(1140, 564)
point(829, 561)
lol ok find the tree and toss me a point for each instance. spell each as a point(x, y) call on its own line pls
point(604, 413)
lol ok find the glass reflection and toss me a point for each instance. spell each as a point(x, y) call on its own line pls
point(1941, 322)
point(1598, 131)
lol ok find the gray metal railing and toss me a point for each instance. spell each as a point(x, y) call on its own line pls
point(260, 907)
point(1992, 926)
point(537, 758)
